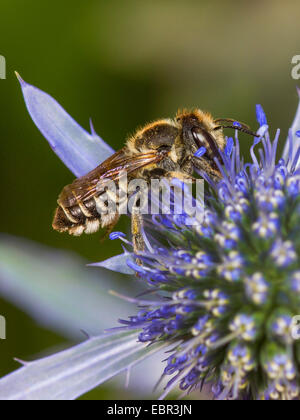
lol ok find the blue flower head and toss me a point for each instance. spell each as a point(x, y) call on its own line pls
point(227, 278)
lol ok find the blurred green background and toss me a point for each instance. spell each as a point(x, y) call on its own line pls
point(123, 63)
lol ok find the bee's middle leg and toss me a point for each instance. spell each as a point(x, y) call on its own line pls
point(137, 233)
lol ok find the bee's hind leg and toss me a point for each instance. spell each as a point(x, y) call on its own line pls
point(182, 176)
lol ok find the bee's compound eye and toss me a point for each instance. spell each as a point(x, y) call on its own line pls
point(199, 138)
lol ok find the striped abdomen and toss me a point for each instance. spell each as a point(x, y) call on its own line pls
point(78, 218)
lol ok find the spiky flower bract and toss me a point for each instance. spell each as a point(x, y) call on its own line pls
point(224, 293)
point(226, 290)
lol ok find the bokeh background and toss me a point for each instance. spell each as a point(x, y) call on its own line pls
point(123, 63)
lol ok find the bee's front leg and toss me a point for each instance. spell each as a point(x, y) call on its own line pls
point(211, 170)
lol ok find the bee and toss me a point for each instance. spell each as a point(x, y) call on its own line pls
point(162, 149)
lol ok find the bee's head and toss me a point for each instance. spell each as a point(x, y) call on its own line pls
point(200, 130)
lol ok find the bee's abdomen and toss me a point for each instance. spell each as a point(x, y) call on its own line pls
point(77, 219)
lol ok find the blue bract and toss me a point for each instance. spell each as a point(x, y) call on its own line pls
point(80, 151)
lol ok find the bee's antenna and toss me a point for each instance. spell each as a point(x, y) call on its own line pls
point(230, 120)
point(241, 128)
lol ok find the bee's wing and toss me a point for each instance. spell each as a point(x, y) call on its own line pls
point(111, 169)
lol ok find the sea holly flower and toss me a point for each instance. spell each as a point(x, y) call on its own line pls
point(222, 293)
